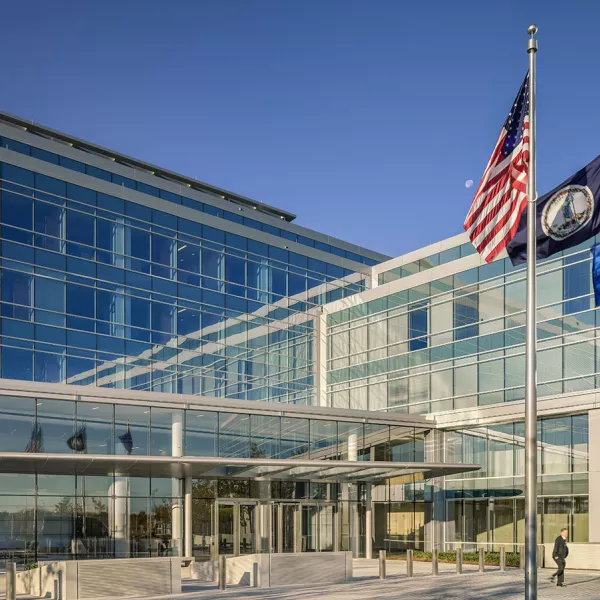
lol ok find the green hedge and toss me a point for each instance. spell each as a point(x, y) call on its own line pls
point(490, 558)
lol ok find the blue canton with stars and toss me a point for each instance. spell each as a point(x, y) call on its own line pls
point(516, 118)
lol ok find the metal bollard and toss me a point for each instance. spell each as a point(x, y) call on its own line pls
point(459, 561)
point(435, 562)
point(521, 557)
point(11, 580)
point(409, 563)
point(382, 556)
point(222, 572)
point(503, 558)
point(481, 560)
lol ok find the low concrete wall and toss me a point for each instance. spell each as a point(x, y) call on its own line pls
point(581, 556)
point(45, 581)
point(74, 580)
point(201, 571)
point(275, 570)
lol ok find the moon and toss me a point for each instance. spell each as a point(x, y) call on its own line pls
point(468, 183)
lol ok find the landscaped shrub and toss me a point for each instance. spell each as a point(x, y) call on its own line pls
point(490, 558)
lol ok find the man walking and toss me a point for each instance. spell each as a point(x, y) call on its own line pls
point(559, 554)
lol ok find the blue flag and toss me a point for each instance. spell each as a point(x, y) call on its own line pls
point(596, 272)
point(566, 217)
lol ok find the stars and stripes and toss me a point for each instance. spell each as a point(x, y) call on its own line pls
point(501, 197)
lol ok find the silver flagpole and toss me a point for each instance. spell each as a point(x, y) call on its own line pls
point(530, 349)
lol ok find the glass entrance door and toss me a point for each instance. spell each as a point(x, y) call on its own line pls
point(236, 527)
point(318, 528)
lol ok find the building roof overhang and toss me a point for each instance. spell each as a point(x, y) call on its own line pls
point(261, 469)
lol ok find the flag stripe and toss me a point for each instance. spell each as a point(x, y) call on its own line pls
point(501, 197)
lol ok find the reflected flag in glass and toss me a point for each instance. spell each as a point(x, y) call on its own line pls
point(596, 272)
point(127, 440)
point(78, 442)
point(36, 442)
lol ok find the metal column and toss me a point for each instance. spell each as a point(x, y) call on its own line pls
point(369, 522)
point(187, 511)
point(236, 529)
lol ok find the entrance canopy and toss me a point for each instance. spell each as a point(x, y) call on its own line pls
point(261, 469)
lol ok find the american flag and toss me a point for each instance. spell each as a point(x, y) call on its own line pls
point(502, 194)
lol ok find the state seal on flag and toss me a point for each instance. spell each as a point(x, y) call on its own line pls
point(567, 211)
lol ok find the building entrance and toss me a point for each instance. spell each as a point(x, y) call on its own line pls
point(235, 527)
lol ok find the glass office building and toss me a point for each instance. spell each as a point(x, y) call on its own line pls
point(442, 333)
point(160, 380)
point(186, 371)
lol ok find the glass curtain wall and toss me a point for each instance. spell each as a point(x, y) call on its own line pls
point(101, 291)
point(458, 341)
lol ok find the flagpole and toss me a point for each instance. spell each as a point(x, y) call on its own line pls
point(530, 347)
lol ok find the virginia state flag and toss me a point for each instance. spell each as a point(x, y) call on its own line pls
point(567, 216)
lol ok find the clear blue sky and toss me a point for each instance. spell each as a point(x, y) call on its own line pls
point(365, 118)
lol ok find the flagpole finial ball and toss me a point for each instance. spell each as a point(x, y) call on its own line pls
point(532, 29)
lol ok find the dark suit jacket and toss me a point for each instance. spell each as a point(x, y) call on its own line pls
point(561, 550)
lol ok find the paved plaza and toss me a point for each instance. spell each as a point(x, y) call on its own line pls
point(491, 585)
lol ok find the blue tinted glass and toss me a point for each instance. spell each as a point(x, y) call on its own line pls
point(69, 163)
point(81, 194)
point(17, 363)
point(191, 203)
point(50, 189)
point(353, 256)
point(116, 205)
point(137, 243)
point(317, 265)
point(259, 248)
point(213, 210)
point(288, 235)
point(190, 227)
point(306, 241)
point(123, 181)
point(138, 312)
point(335, 271)
point(98, 173)
point(278, 254)
point(15, 146)
point(235, 241)
point(236, 218)
point(298, 260)
point(136, 211)
point(170, 196)
point(17, 210)
point(235, 270)
point(252, 223)
point(50, 294)
point(44, 155)
point(417, 329)
point(270, 229)
point(322, 246)
point(577, 281)
point(216, 235)
point(338, 251)
point(147, 189)
point(80, 227)
point(23, 177)
point(188, 321)
point(80, 300)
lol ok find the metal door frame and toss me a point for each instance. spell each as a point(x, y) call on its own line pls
point(235, 503)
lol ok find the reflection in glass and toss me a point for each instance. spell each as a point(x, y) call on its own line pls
point(56, 421)
point(294, 437)
point(132, 425)
point(234, 435)
point(264, 436)
point(94, 425)
point(166, 432)
point(17, 417)
point(323, 439)
point(350, 440)
point(201, 433)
